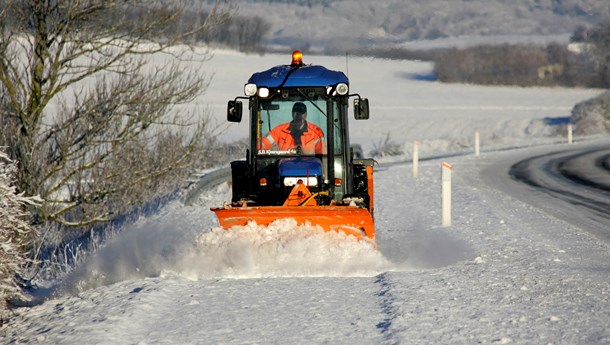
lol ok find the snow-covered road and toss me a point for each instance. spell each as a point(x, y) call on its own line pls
point(504, 272)
point(508, 270)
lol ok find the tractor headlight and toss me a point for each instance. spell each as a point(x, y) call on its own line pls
point(250, 89)
point(342, 89)
point(308, 181)
point(263, 92)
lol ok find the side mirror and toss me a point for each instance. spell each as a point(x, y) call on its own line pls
point(234, 111)
point(361, 109)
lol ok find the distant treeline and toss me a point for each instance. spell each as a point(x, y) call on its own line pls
point(585, 63)
point(308, 3)
point(242, 33)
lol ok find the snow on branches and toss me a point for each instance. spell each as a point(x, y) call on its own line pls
point(14, 230)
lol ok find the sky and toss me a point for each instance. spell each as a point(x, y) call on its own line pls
point(508, 270)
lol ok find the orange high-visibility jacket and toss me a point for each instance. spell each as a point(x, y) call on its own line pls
point(312, 140)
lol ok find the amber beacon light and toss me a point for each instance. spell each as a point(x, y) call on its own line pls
point(297, 58)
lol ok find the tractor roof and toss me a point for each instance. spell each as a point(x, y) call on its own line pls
point(306, 76)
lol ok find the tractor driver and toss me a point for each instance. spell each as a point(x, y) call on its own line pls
point(298, 134)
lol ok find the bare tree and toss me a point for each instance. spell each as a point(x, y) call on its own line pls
point(599, 37)
point(244, 33)
point(90, 120)
point(251, 31)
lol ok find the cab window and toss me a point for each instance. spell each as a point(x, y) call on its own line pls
point(291, 127)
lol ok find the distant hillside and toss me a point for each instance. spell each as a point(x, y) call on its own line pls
point(339, 25)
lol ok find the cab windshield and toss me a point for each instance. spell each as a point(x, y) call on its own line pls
point(292, 127)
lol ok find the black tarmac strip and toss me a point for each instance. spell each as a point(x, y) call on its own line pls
point(579, 177)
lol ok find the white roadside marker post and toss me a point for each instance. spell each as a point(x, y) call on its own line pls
point(570, 133)
point(415, 158)
point(446, 192)
point(477, 143)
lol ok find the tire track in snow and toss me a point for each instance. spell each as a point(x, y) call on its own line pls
point(577, 177)
point(589, 168)
point(388, 307)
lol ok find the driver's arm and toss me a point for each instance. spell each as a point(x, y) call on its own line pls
point(269, 141)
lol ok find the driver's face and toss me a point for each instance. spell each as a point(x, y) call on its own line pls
point(299, 118)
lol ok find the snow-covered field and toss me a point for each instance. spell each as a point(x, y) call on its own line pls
point(504, 271)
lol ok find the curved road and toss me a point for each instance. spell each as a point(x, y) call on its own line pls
point(572, 183)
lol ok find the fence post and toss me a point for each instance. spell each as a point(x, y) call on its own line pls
point(476, 143)
point(415, 158)
point(446, 193)
point(570, 133)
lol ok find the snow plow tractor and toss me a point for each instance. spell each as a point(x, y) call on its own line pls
point(300, 163)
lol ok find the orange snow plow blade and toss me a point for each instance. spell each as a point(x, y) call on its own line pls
point(352, 220)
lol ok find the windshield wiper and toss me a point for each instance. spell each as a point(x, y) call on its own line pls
point(312, 102)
